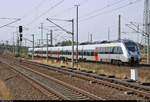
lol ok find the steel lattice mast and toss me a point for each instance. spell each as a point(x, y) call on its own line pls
point(147, 26)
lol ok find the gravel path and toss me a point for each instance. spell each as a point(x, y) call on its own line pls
point(19, 88)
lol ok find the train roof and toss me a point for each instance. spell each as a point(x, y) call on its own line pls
point(88, 46)
point(106, 42)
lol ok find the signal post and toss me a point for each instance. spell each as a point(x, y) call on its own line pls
point(20, 40)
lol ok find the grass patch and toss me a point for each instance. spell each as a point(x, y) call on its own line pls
point(4, 92)
point(103, 69)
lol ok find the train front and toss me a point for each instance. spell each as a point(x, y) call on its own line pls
point(133, 50)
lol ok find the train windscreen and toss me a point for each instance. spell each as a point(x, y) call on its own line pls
point(131, 46)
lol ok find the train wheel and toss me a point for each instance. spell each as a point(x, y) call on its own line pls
point(119, 62)
point(112, 61)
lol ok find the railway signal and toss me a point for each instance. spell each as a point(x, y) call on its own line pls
point(20, 31)
point(20, 40)
point(21, 37)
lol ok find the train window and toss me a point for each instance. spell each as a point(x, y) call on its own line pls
point(84, 53)
point(66, 53)
point(92, 53)
point(105, 50)
point(115, 50)
point(88, 53)
point(81, 52)
point(120, 50)
point(110, 50)
point(102, 50)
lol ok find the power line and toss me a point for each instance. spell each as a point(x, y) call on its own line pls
point(64, 11)
point(10, 18)
point(84, 2)
point(107, 6)
point(60, 2)
point(10, 23)
point(70, 8)
point(35, 8)
point(101, 9)
point(91, 17)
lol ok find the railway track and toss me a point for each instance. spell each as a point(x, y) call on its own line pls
point(60, 89)
point(121, 65)
point(139, 90)
point(146, 66)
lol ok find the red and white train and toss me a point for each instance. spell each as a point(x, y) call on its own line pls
point(123, 51)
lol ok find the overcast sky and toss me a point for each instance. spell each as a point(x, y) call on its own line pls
point(95, 17)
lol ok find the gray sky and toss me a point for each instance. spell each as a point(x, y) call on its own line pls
point(95, 16)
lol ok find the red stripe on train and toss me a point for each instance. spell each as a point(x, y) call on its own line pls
point(97, 57)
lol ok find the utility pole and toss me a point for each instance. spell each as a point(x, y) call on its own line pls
point(20, 40)
point(13, 44)
point(91, 36)
point(77, 31)
point(51, 35)
point(7, 45)
point(119, 28)
point(33, 47)
point(108, 34)
point(72, 33)
point(25, 43)
point(42, 37)
point(17, 44)
point(72, 43)
point(47, 48)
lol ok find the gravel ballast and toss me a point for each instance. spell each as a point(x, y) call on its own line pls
point(19, 88)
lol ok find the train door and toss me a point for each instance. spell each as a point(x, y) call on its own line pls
point(58, 53)
point(82, 53)
point(96, 54)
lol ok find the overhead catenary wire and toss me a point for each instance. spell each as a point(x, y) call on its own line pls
point(44, 13)
point(10, 23)
point(64, 11)
point(91, 17)
point(82, 19)
point(35, 8)
point(70, 8)
point(105, 7)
